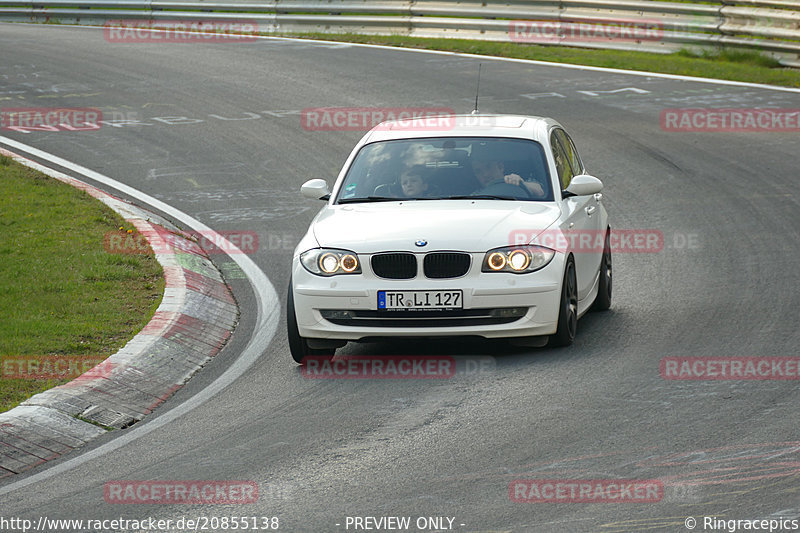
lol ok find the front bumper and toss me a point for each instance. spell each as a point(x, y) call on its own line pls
point(491, 304)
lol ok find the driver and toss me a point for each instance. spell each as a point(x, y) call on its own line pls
point(490, 170)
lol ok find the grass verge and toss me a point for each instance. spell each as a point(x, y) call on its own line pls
point(725, 64)
point(65, 302)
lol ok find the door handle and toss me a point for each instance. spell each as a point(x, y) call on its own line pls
point(590, 210)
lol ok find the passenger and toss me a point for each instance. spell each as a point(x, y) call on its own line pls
point(413, 184)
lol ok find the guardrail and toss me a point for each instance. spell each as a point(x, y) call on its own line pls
point(768, 26)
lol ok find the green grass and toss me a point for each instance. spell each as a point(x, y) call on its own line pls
point(747, 57)
point(725, 64)
point(61, 294)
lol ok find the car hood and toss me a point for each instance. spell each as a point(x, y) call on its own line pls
point(467, 225)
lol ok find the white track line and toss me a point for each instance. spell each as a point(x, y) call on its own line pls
point(265, 326)
point(573, 66)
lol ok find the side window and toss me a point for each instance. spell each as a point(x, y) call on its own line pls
point(563, 167)
point(572, 153)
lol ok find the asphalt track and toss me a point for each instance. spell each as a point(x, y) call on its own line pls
point(322, 450)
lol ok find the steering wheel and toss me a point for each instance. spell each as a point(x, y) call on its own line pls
point(499, 187)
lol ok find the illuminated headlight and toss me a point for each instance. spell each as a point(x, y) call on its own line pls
point(517, 259)
point(329, 262)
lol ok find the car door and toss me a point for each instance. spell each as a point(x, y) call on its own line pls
point(581, 219)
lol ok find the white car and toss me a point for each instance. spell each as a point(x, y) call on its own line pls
point(468, 225)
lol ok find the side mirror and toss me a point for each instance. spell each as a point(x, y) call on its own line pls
point(584, 185)
point(316, 189)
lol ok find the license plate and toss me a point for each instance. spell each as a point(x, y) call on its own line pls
point(420, 300)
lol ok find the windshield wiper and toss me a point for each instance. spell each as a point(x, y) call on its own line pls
point(480, 197)
point(366, 199)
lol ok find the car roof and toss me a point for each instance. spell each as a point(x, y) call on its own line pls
point(473, 125)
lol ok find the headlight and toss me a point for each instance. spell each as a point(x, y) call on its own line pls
point(517, 259)
point(330, 262)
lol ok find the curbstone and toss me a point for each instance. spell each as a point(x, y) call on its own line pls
point(195, 319)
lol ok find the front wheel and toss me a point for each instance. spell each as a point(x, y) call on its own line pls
point(568, 311)
point(298, 345)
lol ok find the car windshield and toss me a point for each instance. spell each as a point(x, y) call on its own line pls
point(448, 168)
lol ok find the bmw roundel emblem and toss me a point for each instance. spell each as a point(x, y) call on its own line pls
point(421, 242)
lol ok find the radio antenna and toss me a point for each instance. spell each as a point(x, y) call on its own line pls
point(478, 90)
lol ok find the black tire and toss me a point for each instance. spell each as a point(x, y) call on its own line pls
point(568, 312)
point(603, 300)
point(298, 345)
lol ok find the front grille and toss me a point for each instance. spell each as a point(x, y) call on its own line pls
point(394, 265)
point(446, 264)
point(424, 319)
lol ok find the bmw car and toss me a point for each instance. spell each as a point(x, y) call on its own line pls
point(467, 225)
